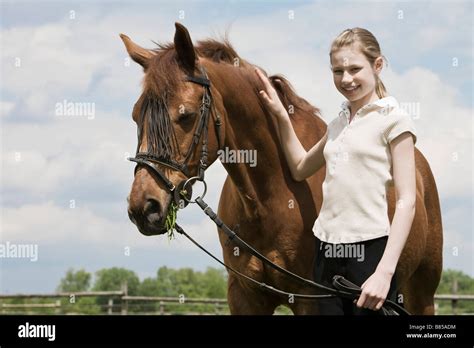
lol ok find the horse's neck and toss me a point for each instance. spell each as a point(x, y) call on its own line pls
point(252, 182)
point(249, 129)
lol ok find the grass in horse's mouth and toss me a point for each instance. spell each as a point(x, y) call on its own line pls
point(171, 219)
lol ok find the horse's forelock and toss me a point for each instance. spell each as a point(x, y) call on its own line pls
point(162, 74)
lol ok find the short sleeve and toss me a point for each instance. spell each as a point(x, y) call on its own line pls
point(398, 124)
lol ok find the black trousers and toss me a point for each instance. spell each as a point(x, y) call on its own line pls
point(354, 261)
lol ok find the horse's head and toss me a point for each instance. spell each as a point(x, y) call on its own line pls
point(178, 129)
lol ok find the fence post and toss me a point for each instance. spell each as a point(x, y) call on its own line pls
point(124, 302)
point(58, 307)
point(110, 306)
point(454, 302)
point(162, 308)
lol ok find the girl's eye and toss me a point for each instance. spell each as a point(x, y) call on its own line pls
point(337, 72)
point(355, 70)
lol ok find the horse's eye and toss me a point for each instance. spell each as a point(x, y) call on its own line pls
point(186, 116)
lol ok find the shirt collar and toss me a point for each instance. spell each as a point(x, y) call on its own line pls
point(383, 104)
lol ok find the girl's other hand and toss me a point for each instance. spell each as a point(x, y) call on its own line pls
point(374, 291)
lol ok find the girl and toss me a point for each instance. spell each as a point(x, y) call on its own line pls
point(369, 147)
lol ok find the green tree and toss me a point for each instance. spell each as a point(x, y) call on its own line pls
point(112, 279)
point(465, 284)
point(191, 284)
point(185, 282)
point(75, 281)
point(165, 285)
point(447, 285)
point(214, 283)
point(168, 283)
point(149, 287)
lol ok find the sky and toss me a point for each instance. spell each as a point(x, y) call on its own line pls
point(65, 179)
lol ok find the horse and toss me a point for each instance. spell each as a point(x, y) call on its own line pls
point(275, 213)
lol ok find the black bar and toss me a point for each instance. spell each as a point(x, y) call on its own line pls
point(242, 330)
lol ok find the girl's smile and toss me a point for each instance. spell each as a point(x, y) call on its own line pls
point(350, 89)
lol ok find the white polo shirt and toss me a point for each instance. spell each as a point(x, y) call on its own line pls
point(359, 172)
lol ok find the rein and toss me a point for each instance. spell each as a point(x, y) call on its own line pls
point(182, 196)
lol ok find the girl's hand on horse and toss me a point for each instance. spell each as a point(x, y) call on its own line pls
point(375, 290)
point(270, 97)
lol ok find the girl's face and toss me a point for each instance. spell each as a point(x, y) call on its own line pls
point(353, 74)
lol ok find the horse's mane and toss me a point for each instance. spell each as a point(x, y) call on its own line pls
point(222, 52)
point(217, 51)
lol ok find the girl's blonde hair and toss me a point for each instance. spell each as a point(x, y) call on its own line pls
point(368, 45)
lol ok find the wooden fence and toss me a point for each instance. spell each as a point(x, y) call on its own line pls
point(454, 298)
point(119, 302)
point(116, 300)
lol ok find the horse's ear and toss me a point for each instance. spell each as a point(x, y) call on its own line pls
point(184, 47)
point(139, 54)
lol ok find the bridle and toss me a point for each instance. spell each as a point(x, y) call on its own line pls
point(180, 192)
point(343, 288)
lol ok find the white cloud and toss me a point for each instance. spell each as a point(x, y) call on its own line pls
point(70, 150)
point(47, 223)
point(444, 127)
point(431, 36)
point(50, 63)
point(458, 237)
point(6, 108)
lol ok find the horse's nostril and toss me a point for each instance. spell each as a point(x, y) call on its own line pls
point(131, 217)
point(152, 211)
point(151, 206)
